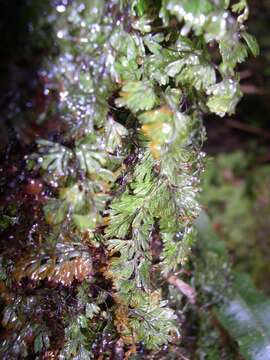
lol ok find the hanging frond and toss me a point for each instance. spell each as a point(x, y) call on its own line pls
point(63, 265)
point(53, 158)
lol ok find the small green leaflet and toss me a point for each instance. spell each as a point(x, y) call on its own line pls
point(55, 211)
point(175, 67)
point(114, 134)
point(232, 51)
point(91, 159)
point(137, 95)
point(251, 43)
point(142, 24)
point(190, 71)
point(240, 6)
point(140, 6)
point(195, 7)
point(54, 157)
point(41, 342)
point(86, 222)
point(199, 76)
point(224, 97)
point(153, 42)
point(176, 250)
point(154, 65)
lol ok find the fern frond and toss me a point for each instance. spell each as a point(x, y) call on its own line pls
point(64, 265)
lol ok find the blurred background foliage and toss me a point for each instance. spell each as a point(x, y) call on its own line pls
point(236, 195)
point(236, 182)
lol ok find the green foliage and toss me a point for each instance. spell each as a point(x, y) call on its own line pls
point(224, 97)
point(56, 158)
point(238, 206)
point(177, 249)
point(156, 324)
point(245, 316)
point(22, 320)
point(133, 79)
point(242, 310)
point(252, 43)
point(210, 343)
point(131, 96)
point(232, 52)
point(213, 263)
point(80, 330)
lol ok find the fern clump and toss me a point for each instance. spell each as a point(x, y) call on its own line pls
point(133, 81)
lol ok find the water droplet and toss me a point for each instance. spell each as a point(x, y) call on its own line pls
point(166, 129)
point(81, 7)
point(60, 34)
point(60, 8)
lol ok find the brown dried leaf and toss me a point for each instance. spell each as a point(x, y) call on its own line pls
point(62, 267)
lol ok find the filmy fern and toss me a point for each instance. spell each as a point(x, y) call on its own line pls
point(134, 79)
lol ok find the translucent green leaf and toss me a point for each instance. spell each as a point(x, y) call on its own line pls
point(176, 249)
point(155, 67)
point(158, 124)
point(184, 44)
point(239, 6)
point(252, 43)
point(115, 132)
point(140, 6)
point(91, 158)
point(137, 95)
point(86, 222)
point(124, 44)
point(232, 51)
point(175, 67)
point(127, 69)
point(159, 115)
point(199, 76)
point(129, 48)
point(73, 196)
point(125, 247)
point(224, 97)
point(42, 342)
point(173, 95)
point(153, 323)
point(55, 211)
point(153, 42)
point(142, 24)
point(54, 157)
point(215, 27)
point(195, 7)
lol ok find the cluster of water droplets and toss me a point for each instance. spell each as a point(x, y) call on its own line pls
point(216, 21)
point(83, 66)
point(81, 76)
